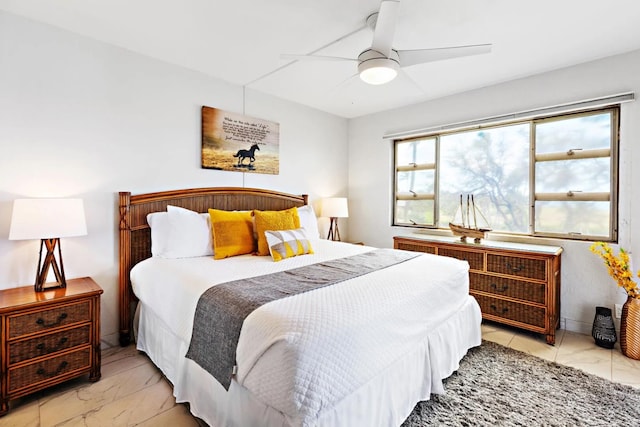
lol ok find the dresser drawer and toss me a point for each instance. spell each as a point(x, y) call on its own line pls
point(517, 266)
point(502, 286)
point(49, 369)
point(415, 247)
point(44, 320)
point(527, 314)
point(475, 259)
point(47, 344)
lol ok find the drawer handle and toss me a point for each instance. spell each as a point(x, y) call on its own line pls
point(57, 347)
point(504, 309)
point(502, 289)
point(44, 373)
point(514, 269)
point(41, 321)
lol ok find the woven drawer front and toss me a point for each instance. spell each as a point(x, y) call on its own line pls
point(48, 319)
point(51, 343)
point(527, 291)
point(475, 259)
point(49, 369)
point(511, 310)
point(517, 266)
point(415, 247)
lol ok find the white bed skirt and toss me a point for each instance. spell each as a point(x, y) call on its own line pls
point(386, 400)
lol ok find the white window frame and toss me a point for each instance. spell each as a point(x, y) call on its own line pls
point(612, 153)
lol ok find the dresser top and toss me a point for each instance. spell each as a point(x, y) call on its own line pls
point(486, 244)
point(25, 295)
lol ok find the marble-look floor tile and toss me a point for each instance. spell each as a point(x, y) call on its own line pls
point(596, 367)
point(625, 370)
point(132, 410)
point(179, 415)
point(495, 334)
point(579, 351)
point(80, 400)
point(114, 354)
point(125, 361)
point(24, 412)
point(534, 345)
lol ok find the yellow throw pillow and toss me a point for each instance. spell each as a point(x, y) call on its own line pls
point(288, 243)
point(232, 233)
point(287, 219)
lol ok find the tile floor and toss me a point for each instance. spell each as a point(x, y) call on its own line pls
point(132, 392)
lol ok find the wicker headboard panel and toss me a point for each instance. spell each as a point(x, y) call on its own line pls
point(135, 234)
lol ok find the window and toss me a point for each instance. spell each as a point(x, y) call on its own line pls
point(415, 182)
point(552, 176)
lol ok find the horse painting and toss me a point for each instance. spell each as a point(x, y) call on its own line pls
point(250, 153)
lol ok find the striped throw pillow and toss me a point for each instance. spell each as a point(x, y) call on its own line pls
point(287, 243)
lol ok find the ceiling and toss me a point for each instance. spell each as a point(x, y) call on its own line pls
point(240, 41)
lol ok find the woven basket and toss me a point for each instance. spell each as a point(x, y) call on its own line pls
point(630, 328)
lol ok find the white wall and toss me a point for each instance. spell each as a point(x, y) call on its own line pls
point(84, 119)
point(585, 283)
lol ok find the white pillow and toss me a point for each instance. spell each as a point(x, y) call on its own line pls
point(309, 221)
point(160, 231)
point(190, 234)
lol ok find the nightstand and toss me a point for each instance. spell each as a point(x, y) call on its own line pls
point(48, 337)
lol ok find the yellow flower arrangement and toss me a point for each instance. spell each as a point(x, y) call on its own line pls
point(618, 267)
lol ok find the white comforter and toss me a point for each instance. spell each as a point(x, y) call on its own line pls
point(302, 355)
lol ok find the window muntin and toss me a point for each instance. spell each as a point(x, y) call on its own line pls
point(553, 176)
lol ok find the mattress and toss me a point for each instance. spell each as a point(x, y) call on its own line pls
point(367, 348)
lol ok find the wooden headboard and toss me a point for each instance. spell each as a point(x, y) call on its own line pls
point(135, 234)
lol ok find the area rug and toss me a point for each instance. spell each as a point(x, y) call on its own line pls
point(498, 386)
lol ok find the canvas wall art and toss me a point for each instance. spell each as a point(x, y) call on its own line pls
point(235, 142)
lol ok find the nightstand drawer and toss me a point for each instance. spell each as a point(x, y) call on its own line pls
point(502, 286)
point(47, 344)
point(44, 320)
point(49, 369)
point(517, 266)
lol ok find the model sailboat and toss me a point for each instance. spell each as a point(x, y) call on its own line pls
point(468, 225)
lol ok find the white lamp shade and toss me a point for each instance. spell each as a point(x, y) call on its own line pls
point(334, 207)
point(47, 219)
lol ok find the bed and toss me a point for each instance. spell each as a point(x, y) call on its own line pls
point(360, 352)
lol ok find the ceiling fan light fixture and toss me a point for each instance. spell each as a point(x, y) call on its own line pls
point(375, 68)
point(378, 71)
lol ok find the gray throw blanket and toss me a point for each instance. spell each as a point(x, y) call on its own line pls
point(221, 309)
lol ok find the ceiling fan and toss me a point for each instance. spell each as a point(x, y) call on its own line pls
point(380, 63)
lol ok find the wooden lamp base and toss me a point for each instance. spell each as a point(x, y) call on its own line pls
point(50, 262)
point(334, 232)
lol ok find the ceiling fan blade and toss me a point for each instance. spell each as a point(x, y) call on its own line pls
point(315, 57)
point(385, 28)
point(421, 56)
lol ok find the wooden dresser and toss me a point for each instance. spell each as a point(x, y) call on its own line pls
point(48, 337)
point(515, 284)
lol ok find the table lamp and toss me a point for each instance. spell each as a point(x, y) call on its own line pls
point(48, 220)
point(334, 208)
